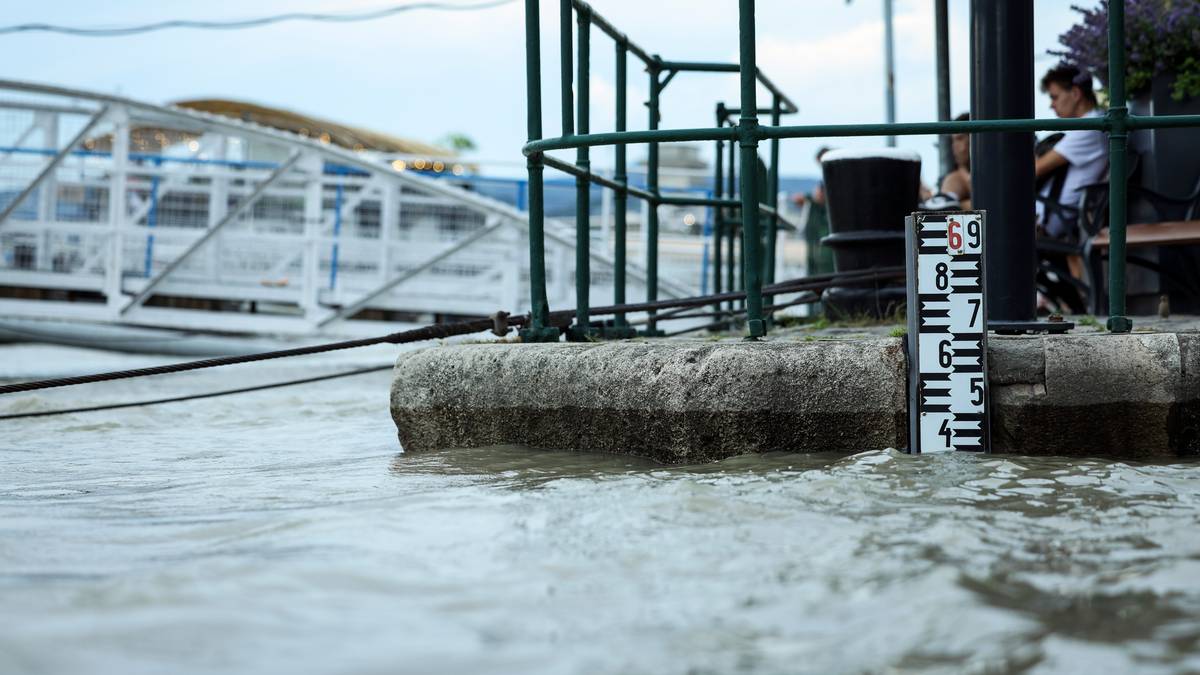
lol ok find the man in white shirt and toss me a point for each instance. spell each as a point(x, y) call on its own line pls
point(1084, 153)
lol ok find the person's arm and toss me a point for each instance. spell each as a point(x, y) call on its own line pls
point(1048, 163)
point(958, 183)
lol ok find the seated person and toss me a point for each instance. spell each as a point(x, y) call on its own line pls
point(1084, 154)
point(957, 183)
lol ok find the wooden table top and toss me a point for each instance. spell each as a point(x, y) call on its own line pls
point(1155, 234)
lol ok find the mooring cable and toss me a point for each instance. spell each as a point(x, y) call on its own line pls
point(445, 330)
point(192, 397)
point(415, 335)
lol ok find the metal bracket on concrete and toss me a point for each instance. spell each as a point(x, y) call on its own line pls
point(1022, 327)
point(500, 324)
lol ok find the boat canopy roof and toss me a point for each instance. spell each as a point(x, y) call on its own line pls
point(326, 131)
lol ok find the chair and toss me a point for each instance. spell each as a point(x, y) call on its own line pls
point(1155, 220)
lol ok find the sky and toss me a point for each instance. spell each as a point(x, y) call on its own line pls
point(423, 74)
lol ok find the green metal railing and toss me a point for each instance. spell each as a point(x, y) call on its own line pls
point(747, 133)
point(575, 75)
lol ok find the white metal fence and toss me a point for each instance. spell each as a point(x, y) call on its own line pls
point(118, 211)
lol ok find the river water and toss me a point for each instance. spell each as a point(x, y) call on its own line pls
point(285, 531)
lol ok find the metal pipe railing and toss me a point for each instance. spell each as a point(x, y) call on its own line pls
point(1131, 122)
point(731, 224)
point(941, 32)
point(651, 224)
point(607, 28)
point(747, 134)
point(539, 328)
point(621, 328)
point(583, 202)
point(748, 145)
point(772, 200)
point(565, 67)
point(1118, 118)
point(575, 134)
point(718, 221)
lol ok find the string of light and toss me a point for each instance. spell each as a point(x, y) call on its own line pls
point(239, 24)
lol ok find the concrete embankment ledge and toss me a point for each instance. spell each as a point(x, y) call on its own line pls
point(683, 401)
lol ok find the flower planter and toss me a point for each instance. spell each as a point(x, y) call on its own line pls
point(1170, 165)
point(1170, 157)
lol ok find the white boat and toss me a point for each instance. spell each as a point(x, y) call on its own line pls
point(142, 227)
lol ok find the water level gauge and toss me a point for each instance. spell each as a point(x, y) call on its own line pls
point(947, 332)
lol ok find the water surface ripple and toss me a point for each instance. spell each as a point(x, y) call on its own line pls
point(284, 531)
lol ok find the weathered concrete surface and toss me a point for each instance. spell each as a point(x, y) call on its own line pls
point(1132, 395)
point(1094, 395)
point(670, 401)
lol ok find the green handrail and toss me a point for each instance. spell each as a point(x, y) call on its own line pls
point(1118, 119)
point(747, 133)
point(539, 328)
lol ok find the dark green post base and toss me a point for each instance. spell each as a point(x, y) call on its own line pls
point(1120, 324)
point(543, 334)
point(583, 334)
point(757, 328)
point(652, 332)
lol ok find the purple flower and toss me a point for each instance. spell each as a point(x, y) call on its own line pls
point(1161, 37)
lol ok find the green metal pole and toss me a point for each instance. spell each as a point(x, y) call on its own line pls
point(731, 224)
point(748, 142)
point(1118, 115)
point(741, 268)
point(564, 54)
point(652, 212)
point(539, 307)
point(718, 220)
point(773, 202)
point(621, 328)
point(583, 203)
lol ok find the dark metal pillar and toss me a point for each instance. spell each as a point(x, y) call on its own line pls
point(748, 146)
point(773, 202)
point(718, 213)
point(731, 223)
point(621, 329)
point(1002, 163)
point(1118, 114)
point(942, 57)
point(889, 68)
point(564, 64)
point(581, 331)
point(539, 308)
point(651, 223)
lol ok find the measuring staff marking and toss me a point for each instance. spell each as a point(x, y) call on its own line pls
point(947, 332)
